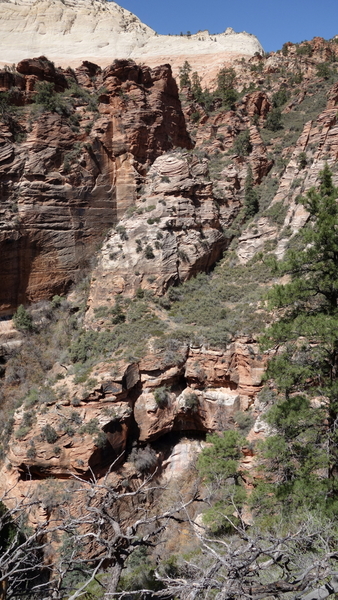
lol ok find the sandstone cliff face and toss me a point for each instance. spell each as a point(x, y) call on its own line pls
point(100, 31)
point(69, 29)
point(64, 185)
point(316, 146)
point(173, 232)
point(173, 207)
point(90, 425)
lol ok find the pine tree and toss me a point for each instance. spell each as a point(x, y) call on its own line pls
point(196, 87)
point(184, 75)
point(303, 454)
point(218, 464)
point(225, 87)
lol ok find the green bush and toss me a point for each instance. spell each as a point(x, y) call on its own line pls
point(22, 432)
point(32, 398)
point(285, 49)
point(218, 463)
point(242, 144)
point(7, 109)
point(100, 440)
point(274, 120)
point(121, 230)
point(148, 252)
point(49, 434)
point(251, 201)
point(302, 160)
point(244, 420)
point(91, 427)
point(46, 97)
point(267, 191)
point(162, 396)
point(191, 401)
point(31, 452)
point(118, 316)
point(22, 319)
point(304, 50)
point(182, 255)
point(277, 212)
point(68, 429)
point(323, 70)
point(280, 97)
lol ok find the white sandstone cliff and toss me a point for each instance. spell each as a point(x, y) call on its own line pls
point(69, 31)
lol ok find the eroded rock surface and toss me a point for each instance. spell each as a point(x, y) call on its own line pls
point(64, 186)
point(317, 145)
point(90, 425)
point(100, 31)
point(173, 232)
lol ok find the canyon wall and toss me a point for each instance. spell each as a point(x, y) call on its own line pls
point(66, 179)
point(102, 31)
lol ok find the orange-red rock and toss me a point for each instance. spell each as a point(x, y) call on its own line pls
point(62, 188)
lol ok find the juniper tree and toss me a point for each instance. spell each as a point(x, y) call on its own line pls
point(274, 120)
point(218, 464)
point(243, 145)
point(22, 319)
point(303, 454)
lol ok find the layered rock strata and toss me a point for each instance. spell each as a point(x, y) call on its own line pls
point(317, 145)
point(66, 180)
point(173, 232)
point(101, 31)
point(88, 426)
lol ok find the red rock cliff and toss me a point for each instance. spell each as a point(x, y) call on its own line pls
point(68, 175)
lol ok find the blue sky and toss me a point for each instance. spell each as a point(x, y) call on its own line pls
point(273, 22)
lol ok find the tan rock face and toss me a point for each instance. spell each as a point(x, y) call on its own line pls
point(71, 444)
point(318, 144)
point(100, 31)
point(255, 238)
point(64, 187)
point(217, 134)
point(174, 232)
point(88, 426)
point(215, 386)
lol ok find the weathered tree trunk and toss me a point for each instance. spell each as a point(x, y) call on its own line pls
point(3, 589)
point(113, 578)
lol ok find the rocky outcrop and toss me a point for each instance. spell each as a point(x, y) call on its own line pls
point(42, 70)
point(216, 385)
point(100, 31)
point(67, 178)
point(317, 145)
point(219, 134)
point(256, 104)
point(75, 427)
point(173, 232)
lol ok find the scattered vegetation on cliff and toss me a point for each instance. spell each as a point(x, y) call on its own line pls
point(262, 523)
